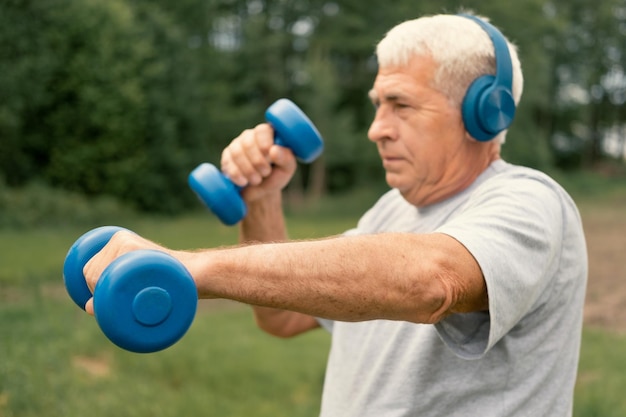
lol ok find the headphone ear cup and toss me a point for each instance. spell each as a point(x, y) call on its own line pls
point(471, 108)
point(487, 110)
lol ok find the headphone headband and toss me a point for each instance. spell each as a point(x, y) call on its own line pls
point(504, 67)
point(488, 107)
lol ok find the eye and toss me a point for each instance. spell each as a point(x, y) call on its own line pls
point(401, 105)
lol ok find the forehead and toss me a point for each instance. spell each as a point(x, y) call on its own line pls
point(418, 74)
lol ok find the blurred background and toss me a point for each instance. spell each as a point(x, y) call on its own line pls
point(106, 106)
point(123, 98)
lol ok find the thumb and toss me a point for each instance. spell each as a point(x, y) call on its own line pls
point(283, 158)
point(89, 306)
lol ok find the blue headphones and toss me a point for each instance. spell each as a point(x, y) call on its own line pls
point(488, 107)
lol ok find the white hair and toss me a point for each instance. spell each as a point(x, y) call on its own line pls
point(461, 48)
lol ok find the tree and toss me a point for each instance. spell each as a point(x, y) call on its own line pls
point(588, 70)
point(101, 100)
point(125, 97)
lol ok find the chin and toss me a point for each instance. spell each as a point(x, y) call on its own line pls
point(394, 182)
point(406, 190)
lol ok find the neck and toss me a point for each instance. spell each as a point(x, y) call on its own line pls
point(459, 176)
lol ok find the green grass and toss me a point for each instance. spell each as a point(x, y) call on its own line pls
point(601, 375)
point(54, 361)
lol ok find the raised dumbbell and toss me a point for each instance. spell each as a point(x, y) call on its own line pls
point(292, 129)
point(144, 301)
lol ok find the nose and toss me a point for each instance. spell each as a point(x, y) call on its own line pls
point(382, 127)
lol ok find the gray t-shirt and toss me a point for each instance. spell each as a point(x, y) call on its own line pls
point(518, 359)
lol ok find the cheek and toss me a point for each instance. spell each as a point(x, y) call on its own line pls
point(422, 142)
point(429, 154)
point(453, 126)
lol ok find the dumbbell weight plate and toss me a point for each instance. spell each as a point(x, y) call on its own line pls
point(145, 301)
point(219, 193)
point(78, 255)
point(295, 130)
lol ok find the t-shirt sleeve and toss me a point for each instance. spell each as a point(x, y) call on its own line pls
point(513, 229)
point(326, 324)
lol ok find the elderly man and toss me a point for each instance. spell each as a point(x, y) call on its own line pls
point(460, 292)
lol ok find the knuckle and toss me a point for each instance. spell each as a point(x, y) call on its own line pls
point(248, 141)
point(122, 242)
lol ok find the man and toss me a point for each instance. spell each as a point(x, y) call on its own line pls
point(460, 293)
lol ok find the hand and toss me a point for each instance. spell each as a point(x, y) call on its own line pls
point(120, 243)
point(252, 160)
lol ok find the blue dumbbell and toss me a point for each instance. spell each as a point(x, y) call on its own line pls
point(292, 129)
point(144, 301)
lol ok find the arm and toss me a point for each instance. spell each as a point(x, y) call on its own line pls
point(394, 276)
point(265, 223)
point(250, 155)
point(416, 278)
point(419, 278)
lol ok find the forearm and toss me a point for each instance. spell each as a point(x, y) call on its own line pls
point(387, 276)
point(264, 222)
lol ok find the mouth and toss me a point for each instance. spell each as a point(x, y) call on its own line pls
point(389, 161)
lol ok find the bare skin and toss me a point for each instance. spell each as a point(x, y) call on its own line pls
point(427, 155)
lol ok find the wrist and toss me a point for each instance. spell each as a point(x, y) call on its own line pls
point(265, 221)
point(198, 264)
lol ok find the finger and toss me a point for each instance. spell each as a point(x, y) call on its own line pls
point(254, 161)
point(230, 170)
point(239, 169)
point(229, 162)
point(283, 158)
point(264, 136)
point(89, 306)
point(121, 242)
point(244, 161)
point(87, 273)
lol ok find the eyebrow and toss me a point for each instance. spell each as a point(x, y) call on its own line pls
point(376, 99)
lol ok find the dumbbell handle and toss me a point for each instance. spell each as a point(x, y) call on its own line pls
point(292, 129)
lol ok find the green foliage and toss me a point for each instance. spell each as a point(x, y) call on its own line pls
point(588, 186)
point(37, 205)
point(587, 89)
point(100, 100)
point(124, 97)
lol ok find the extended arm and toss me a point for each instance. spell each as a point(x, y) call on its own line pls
point(395, 276)
point(416, 278)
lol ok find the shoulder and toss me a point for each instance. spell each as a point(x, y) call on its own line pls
point(521, 188)
point(502, 175)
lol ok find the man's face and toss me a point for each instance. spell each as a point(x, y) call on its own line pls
point(419, 133)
